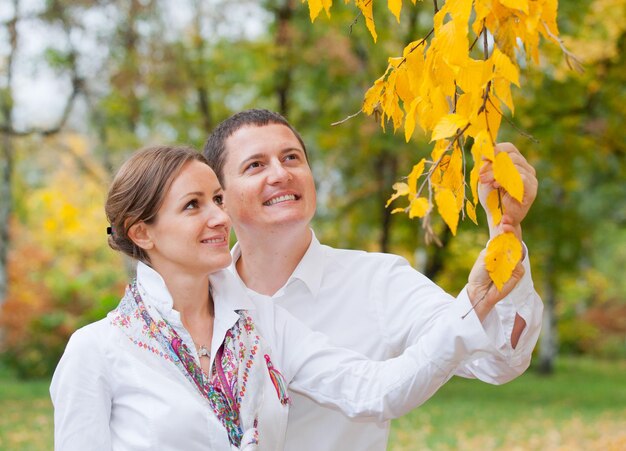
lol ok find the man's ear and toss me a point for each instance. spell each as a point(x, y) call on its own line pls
point(139, 234)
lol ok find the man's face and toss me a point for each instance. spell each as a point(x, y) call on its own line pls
point(268, 182)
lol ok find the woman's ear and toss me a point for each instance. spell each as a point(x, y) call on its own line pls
point(139, 234)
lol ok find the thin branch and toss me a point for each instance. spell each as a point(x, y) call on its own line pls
point(572, 60)
point(347, 118)
point(512, 124)
point(356, 19)
point(483, 30)
point(8, 128)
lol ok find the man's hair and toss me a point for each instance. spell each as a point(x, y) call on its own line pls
point(215, 146)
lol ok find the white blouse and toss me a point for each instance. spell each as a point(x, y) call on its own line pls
point(112, 394)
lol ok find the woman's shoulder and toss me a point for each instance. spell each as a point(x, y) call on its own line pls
point(91, 338)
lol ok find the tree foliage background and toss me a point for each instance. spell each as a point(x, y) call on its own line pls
point(85, 83)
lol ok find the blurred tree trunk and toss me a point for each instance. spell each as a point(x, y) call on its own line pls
point(387, 174)
point(548, 340)
point(203, 94)
point(6, 162)
point(284, 14)
point(6, 207)
point(8, 132)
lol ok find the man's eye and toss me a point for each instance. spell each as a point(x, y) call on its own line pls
point(219, 200)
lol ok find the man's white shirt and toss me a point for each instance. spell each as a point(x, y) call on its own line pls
point(378, 305)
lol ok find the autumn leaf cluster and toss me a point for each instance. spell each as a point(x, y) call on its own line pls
point(455, 84)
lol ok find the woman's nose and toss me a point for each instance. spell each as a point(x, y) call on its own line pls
point(218, 217)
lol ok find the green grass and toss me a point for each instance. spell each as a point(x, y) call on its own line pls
point(26, 417)
point(581, 407)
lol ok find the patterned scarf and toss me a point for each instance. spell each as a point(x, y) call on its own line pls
point(234, 389)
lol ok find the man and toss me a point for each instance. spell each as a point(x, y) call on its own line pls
point(373, 303)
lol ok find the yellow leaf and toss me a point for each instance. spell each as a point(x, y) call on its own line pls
point(409, 120)
point(471, 211)
point(452, 175)
point(416, 172)
point(366, 9)
point(316, 6)
point(439, 149)
point(448, 126)
point(402, 189)
point(372, 96)
point(521, 5)
point(474, 75)
point(489, 119)
point(395, 6)
point(504, 67)
point(451, 43)
point(458, 9)
point(403, 85)
point(502, 89)
point(548, 15)
point(419, 207)
point(493, 205)
point(506, 39)
point(447, 206)
point(503, 254)
point(506, 174)
point(484, 145)
point(482, 148)
point(398, 210)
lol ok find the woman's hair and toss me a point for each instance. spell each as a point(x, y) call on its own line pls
point(138, 190)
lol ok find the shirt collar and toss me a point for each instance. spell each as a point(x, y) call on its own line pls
point(228, 294)
point(309, 270)
point(154, 286)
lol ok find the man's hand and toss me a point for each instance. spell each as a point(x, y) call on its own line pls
point(482, 292)
point(514, 211)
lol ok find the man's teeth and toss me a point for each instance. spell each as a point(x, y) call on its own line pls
point(280, 199)
point(214, 240)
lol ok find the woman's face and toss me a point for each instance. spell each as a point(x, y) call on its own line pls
point(191, 231)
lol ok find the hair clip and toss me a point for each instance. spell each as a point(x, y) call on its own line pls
point(109, 230)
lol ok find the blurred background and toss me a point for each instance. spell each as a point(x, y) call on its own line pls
point(84, 83)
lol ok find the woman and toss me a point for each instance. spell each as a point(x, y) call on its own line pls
point(187, 362)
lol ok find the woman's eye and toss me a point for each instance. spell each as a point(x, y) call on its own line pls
point(219, 200)
point(192, 204)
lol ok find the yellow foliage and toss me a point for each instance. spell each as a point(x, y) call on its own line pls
point(448, 126)
point(419, 207)
point(395, 6)
point(493, 205)
point(439, 86)
point(505, 173)
point(503, 254)
point(447, 206)
point(471, 211)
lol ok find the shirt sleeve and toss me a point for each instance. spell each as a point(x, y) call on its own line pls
point(409, 303)
point(81, 396)
point(381, 390)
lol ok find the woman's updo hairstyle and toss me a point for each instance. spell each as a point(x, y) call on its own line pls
point(138, 190)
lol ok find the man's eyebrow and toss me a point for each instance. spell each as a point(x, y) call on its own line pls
point(255, 156)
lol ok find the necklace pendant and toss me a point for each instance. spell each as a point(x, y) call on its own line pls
point(204, 352)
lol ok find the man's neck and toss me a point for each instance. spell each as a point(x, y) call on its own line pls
point(267, 261)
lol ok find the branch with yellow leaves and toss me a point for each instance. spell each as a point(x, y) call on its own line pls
point(437, 85)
